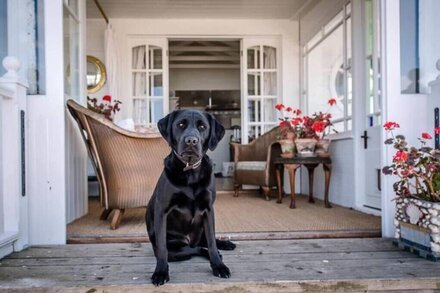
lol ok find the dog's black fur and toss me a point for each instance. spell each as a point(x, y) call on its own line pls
point(180, 214)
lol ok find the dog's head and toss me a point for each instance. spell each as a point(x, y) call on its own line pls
point(191, 133)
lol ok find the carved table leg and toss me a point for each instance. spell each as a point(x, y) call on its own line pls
point(279, 169)
point(291, 168)
point(327, 173)
point(311, 171)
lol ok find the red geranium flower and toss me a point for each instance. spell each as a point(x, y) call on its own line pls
point(107, 98)
point(297, 112)
point(332, 101)
point(318, 126)
point(289, 109)
point(437, 130)
point(390, 125)
point(426, 135)
point(279, 107)
point(296, 121)
point(400, 156)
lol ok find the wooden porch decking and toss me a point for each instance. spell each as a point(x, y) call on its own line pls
point(337, 265)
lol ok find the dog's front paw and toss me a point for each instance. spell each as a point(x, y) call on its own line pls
point(160, 277)
point(225, 245)
point(221, 271)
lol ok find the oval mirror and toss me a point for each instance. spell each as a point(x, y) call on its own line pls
point(96, 74)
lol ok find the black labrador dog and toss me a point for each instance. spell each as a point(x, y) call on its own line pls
point(180, 214)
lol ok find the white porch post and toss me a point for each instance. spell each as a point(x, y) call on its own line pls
point(13, 213)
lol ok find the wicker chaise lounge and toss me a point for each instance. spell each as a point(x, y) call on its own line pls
point(127, 164)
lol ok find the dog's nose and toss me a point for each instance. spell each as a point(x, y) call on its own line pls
point(191, 140)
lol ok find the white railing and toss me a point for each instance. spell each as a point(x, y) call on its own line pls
point(13, 201)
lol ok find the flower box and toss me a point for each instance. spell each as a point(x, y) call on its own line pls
point(417, 225)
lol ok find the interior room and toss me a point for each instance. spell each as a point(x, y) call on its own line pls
point(238, 70)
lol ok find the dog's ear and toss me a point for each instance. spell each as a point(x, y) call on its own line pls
point(165, 127)
point(216, 132)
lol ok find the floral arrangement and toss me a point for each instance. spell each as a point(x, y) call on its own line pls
point(314, 126)
point(418, 169)
point(106, 107)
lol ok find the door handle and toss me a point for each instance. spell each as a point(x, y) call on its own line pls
point(379, 178)
point(365, 137)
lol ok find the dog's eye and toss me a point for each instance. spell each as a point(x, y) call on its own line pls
point(181, 124)
point(202, 127)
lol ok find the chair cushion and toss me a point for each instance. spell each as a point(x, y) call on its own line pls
point(251, 165)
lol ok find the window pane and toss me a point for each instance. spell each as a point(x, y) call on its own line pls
point(71, 55)
point(138, 58)
point(156, 85)
point(140, 111)
point(270, 57)
point(409, 63)
point(139, 80)
point(254, 83)
point(253, 57)
point(325, 75)
point(348, 38)
point(254, 110)
point(269, 110)
point(155, 57)
point(156, 110)
point(270, 83)
point(254, 132)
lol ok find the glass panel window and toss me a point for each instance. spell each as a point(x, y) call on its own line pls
point(138, 57)
point(254, 132)
point(334, 22)
point(155, 57)
point(325, 77)
point(268, 110)
point(139, 84)
point(254, 84)
point(270, 83)
point(253, 57)
point(71, 54)
point(156, 110)
point(156, 85)
point(254, 110)
point(269, 57)
point(348, 43)
point(140, 111)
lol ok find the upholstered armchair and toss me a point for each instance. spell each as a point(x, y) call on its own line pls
point(254, 162)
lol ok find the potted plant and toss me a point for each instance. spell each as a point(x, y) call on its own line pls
point(417, 188)
point(322, 125)
point(287, 135)
point(106, 107)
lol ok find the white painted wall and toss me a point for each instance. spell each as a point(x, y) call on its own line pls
point(95, 46)
point(204, 79)
point(410, 110)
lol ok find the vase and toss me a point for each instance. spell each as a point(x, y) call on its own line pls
point(417, 225)
point(305, 147)
point(287, 148)
point(322, 147)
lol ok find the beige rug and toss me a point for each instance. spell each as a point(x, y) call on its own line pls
point(247, 213)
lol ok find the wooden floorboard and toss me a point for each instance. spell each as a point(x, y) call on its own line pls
point(338, 265)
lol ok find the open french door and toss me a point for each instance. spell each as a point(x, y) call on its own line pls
point(261, 89)
point(149, 81)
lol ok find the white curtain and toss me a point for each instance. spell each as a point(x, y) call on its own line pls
point(270, 78)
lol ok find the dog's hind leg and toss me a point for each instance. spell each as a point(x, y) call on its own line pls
point(186, 252)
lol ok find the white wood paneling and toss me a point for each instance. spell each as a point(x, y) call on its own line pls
point(246, 9)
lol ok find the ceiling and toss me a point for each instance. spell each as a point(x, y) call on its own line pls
point(200, 53)
point(234, 9)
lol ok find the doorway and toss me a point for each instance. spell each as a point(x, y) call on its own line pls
point(204, 74)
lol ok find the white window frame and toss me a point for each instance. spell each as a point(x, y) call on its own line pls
point(325, 31)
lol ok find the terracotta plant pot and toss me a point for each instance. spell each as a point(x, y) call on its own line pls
point(322, 147)
point(417, 225)
point(287, 147)
point(305, 147)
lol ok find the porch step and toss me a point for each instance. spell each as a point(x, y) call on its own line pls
point(337, 265)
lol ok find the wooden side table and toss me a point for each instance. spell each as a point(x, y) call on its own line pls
point(292, 164)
